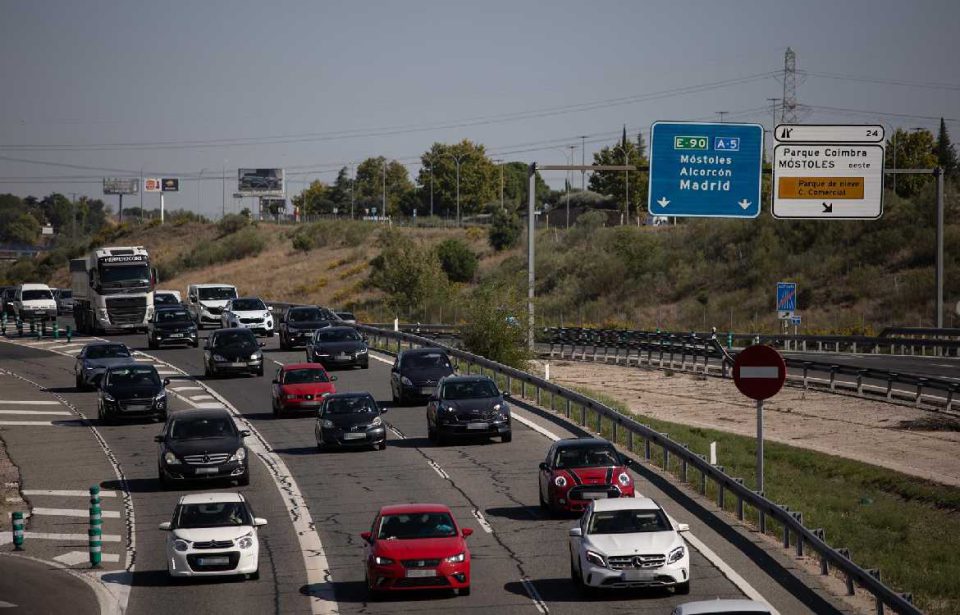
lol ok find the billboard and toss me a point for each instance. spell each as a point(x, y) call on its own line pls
point(151, 184)
point(260, 182)
point(116, 185)
point(170, 184)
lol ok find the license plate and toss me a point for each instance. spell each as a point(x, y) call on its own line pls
point(354, 436)
point(428, 390)
point(213, 561)
point(206, 470)
point(343, 357)
point(594, 495)
point(478, 426)
point(421, 573)
point(637, 575)
point(176, 335)
point(309, 404)
point(238, 364)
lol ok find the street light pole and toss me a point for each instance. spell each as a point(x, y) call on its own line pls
point(583, 162)
point(384, 186)
point(458, 158)
point(223, 189)
point(499, 161)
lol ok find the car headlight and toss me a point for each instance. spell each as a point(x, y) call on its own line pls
point(218, 357)
point(181, 545)
point(362, 351)
point(255, 356)
point(624, 479)
point(240, 455)
point(161, 396)
point(456, 559)
point(170, 459)
point(406, 381)
point(245, 541)
point(382, 561)
point(675, 555)
point(377, 422)
point(596, 559)
point(560, 481)
point(102, 312)
point(108, 397)
point(326, 423)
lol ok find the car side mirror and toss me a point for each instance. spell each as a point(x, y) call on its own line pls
point(506, 394)
point(269, 308)
point(158, 438)
point(261, 344)
point(467, 531)
point(244, 433)
point(683, 527)
point(274, 381)
point(333, 378)
point(166, 526)
point(259, 522)
point(367, 536)
point(543, 466)
point(576, 532)
point(166, 382)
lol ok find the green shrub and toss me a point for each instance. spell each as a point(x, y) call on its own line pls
point(505, 230)
point(457, 260)
point(494, 326)
point(231, 223)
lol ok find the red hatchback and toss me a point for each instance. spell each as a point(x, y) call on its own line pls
point(416, 546)
point(301, 386)
point(578, 470)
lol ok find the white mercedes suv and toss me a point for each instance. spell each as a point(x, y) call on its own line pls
point(213, 534)
point(248, 313)
point(629, 542)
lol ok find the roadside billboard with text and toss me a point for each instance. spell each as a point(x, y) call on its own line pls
point(116, 185)
point(260, 182)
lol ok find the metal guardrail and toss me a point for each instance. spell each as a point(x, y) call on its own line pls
point(945, 333)
point(625, 430)
point(665, 349)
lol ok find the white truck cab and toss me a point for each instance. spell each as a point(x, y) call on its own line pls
point(206, 302)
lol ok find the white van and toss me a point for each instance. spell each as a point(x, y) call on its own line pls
point(34, 302)
point(206, 302)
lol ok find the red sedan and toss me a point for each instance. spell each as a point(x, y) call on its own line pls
point(301, 386)
point(417, 546)
point(578, 470)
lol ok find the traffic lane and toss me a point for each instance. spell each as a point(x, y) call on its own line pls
point(282, 573)
point(936, 367)
point(29, 587)
point(344, 491)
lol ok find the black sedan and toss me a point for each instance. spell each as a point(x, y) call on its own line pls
point(299, 322)
point(132, 390)
point(171, 325)
point(468, 405)
point(94, 359)
point(350, 419)
point(338, 346)
point(416, 372)
point(202, 445)
point(232, 351)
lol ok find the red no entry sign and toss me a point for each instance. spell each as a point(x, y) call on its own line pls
point(759, 372)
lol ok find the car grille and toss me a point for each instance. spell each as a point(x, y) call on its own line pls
point(203, 460)
point(631, 562)
point(580, 493)
point(193, 558)
point(420, 563)
point(213, 544)
point(136, 405)
point(126, 310)
point(214, 310)
point(422, 582)
point(248, 321)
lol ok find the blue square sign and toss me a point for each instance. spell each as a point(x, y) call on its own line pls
point(705, 169)
point(786, 296)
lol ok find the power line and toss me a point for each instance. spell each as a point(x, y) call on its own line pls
point(913, 84)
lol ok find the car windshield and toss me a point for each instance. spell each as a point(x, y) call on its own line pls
point(309, 314)
point(426, 361)
point(340, 406)
point(630, 521)
point(199, 428)
point(34, 295)
point(346, 315)
point(469, 390)
point(304, 376)
point(235, 339)
point(131, 274)
point(107, 351)
point(172, 315)
point(337, 335)
point(133, 376)
point(583, 457)
point(66, 294)
point(165, 299)
point(217, 293)
point(211, 514)
point(247, 305)
point(416, 525)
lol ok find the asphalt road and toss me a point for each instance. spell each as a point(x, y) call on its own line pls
point(520, 560)
point(32, 588)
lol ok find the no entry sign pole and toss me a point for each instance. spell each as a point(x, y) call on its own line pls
point(759, 372)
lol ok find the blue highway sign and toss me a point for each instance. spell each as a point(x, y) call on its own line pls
point(786, 296)
point(705, 169)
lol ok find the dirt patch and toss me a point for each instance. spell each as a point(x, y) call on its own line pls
point(915, 442)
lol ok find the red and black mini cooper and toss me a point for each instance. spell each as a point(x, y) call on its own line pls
point(578, 470)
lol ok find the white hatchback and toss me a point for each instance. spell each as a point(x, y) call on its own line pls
point(213, 534)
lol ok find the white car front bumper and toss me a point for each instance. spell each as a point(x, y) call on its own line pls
point(663, 576)
point(187, 564)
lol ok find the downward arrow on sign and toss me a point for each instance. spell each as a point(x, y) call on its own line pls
point(828, 208)
point(744, 203)
point(663, 202)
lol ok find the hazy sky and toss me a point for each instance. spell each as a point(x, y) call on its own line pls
point(333, 82)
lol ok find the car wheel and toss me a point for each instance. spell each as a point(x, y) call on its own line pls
point(254, 576)
point(195, 344)
point(507, 437)
point(162, 417)
point(382, 445)
point(544, 506)
point(244, 479)
point(164, 481)
point(260, 371)
point(365, 364)
point(431, 433)
point(79, 383)
point(276, 409)
point(270, 333)
point(283, 344)
point(152, 345)
point(464, 591)
point(682, 589)
point(574, 574)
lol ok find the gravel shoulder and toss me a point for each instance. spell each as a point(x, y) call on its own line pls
point(915, 442)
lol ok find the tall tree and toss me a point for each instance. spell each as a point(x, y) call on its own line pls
point(314, 200)
point(910, 150)
point(340, 191)
point(615, 183)
point(369, 184)
point(479, 177)
point(946, 152)
point(515, 185)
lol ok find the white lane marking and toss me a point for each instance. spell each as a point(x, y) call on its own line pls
point(381, 359)
point(31, 403)
point(482, 521)
point(7, 605)
point(695, 542)
point(27, 423)
point(319, 576)
point(201, 397)
point(68, 493)
point(81, 557)
point(14, 499)
point(178, 389)
point(56, 412)
point(436, 468)
point(73, 512)
point(208, 405)
point(535, 596)
point(7, 537)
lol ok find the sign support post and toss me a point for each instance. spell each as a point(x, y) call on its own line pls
point(759, 372)
point(760, 445)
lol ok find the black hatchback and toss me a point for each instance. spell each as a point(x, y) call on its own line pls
point(232, 351)
point(132, 390)
point(202, 445)
point(338, 346)
point(416, 372)
point(350, 419)
point(468, 406)
point(171, 325)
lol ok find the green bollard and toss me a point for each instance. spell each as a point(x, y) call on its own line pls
point(18, 531)
point(19, 327)
point(56, 330)
point(729, 340)
point(96, 528)
point(33, 326)
point(69, 333)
